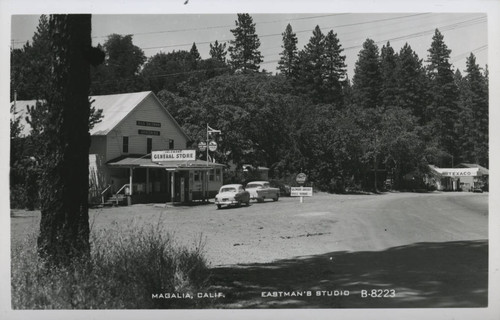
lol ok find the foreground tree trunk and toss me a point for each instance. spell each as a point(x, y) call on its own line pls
point(64, 226)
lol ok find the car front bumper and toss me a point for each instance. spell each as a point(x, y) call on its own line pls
point(226, 201)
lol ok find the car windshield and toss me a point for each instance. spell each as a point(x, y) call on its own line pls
point(228, 190)
point(253, 185)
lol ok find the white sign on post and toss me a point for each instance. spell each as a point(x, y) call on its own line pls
point(173, 155)
point(301, 192)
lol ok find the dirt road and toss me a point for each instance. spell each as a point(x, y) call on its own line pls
point(431, 249)
point(264, 232)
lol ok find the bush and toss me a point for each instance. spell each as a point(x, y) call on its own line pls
point(124, 270)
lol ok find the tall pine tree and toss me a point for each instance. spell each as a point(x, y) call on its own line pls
point(309, 78)
point(474, 114)
point(64, 225)
point(367, 80)
point(288, 62)
point(443, 94)
point(244, 49)
point(411, 83)
point(333, 69)
point(388, 65)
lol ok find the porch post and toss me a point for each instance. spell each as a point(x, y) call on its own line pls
point(172, 185)
point(130, 180)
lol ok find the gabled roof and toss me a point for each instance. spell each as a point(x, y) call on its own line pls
point(482, 169)
point(115, 108)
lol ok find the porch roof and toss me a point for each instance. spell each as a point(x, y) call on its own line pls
point(131, 162)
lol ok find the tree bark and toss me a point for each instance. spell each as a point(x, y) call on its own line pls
point(64, 225)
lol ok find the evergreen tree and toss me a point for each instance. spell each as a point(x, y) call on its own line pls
point(309, 78)
point(64, 225)
point(388, 65)
point(474, 114)
point(411, 83)
point(218, 51)
point(195, 56)
point(443, 93)
point(288, 62)
point(333, 69)
point(244, 49)
point(30, 65)
point(367, 80)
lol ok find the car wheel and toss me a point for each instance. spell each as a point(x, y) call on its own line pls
point(260, 199)
point(238, 204)
point(276, 198)
point(247, 203)
point(219, 206)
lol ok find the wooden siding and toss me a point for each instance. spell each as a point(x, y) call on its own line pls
point(149, 110)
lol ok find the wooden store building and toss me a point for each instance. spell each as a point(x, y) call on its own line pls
point(139, 153)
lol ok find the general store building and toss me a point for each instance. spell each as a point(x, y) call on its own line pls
point(134, 125)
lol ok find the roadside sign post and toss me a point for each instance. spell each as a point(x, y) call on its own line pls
point(301, 191)
point(208, 145)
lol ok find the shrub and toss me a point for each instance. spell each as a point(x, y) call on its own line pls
point(125, 268)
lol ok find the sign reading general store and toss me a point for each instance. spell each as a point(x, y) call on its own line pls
point(173, 155)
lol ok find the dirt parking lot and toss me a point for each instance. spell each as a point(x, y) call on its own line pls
point(264, 232)
point(431, 249)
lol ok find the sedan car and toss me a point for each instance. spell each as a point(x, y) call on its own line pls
point(232, 194)
point(261, 190)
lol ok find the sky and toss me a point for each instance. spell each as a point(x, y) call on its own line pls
point(463, 32)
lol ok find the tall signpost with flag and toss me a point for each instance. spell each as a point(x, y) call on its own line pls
point(211, 145)
point(208, 145)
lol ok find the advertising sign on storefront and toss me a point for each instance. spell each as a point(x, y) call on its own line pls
point(458, 172)
point(173, 155)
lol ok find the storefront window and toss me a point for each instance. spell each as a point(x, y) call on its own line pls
point(212, 175)
point(217, 174)
point(125, 144)
point(149, 146)
point(196, 176)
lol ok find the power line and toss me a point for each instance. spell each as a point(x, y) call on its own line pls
point(415, 35)
point(300, 31)
point(227, 26)
point(357, 39)
point(466, 54)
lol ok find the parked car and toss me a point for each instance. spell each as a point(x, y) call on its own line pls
point(261, 190)
point(232, 194)
point(285, 189)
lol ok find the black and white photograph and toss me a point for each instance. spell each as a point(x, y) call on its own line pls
point(248, 160)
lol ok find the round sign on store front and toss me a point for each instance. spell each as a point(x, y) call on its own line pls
point(202, 146)
point(212, 145)
point(301, 178)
